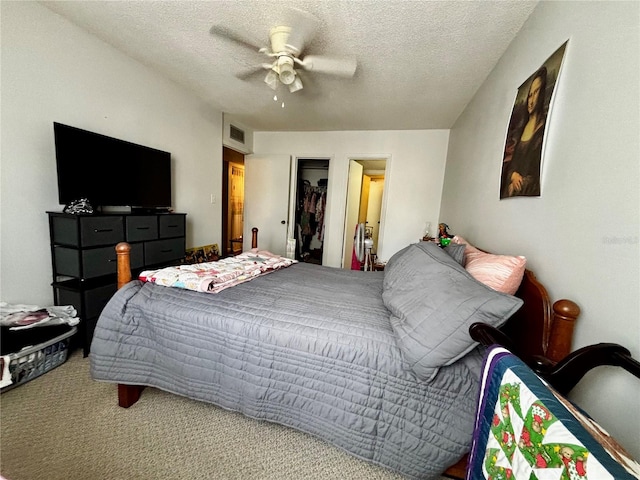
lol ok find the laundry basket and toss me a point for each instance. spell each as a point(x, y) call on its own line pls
point(33, 361)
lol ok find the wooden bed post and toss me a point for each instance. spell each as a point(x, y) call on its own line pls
point(565, 314)
point(127, 394)
point(254, 237)
point(123, 252)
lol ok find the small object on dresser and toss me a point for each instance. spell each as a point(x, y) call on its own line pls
point(427, 236)
point(79, 206)
point(444, 237)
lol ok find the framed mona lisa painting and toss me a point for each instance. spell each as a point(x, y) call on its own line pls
point(524, 145)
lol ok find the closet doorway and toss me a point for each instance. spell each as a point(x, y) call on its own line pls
point(232, 202)
point(312, 178)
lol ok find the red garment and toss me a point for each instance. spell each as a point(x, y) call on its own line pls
point(355, 263)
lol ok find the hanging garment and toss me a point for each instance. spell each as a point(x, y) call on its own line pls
point(355, 263)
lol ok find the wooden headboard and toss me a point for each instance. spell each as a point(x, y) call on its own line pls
point(540, 328)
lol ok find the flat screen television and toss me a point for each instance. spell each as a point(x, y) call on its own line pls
point(110, 172)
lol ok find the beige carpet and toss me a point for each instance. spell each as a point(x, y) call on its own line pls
point(65, 426)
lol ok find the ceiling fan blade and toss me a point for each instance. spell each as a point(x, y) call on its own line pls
point(228, 34)
point(339, 66)
point(304, 26)
point(253, 71)
point(312, 89)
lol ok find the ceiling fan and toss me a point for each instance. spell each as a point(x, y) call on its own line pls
point(285, 53)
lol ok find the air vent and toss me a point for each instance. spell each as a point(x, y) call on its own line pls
point(236, 134)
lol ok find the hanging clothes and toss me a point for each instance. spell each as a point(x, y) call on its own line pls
point(355, 263)
point(320, 210)
point(311, 207)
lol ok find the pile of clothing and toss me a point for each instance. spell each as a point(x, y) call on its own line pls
point(20, 317)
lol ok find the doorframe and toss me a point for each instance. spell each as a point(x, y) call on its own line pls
point(229, 155)
point(383, 208)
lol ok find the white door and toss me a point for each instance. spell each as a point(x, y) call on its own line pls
point(266, 201)
point(354, 187)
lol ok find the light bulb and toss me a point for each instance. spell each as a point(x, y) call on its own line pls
point(282, 104)
point(275, 98)
point(287, 74)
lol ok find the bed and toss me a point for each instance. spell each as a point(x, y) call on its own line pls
point(380, 364)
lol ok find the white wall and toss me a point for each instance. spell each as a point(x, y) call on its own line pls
point(416, 154)
point(54, 71)
point(581, 237)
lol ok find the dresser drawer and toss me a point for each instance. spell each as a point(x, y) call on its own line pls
point(87, 231)
point(97, 298)
point(93, 300)
point(65, 230)
point(107, 230)
point(140, 228)
point(93, 262)
point(163, 251)
point(171, 225)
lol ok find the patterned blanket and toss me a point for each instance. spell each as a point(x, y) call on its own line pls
point(213, 277)
point(526, 431)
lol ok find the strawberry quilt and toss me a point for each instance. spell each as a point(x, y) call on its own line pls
point(525, 430)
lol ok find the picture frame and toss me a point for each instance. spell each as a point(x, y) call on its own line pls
point(528, 125)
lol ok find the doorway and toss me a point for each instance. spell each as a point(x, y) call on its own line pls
point(232, 202)
point(365, 194)
point(312, 178)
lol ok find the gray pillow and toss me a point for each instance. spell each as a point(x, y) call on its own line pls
point(454, 250)
point(396, 256)
point(433, 301)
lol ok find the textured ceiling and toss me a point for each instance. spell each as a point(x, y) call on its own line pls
point(419, 62)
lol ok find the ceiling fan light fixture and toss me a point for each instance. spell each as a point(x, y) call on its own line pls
point(286, 53)
point(296, 85)
point(287, 74)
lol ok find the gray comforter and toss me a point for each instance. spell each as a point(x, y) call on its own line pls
point(310, 347)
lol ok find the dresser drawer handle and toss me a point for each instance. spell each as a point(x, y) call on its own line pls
point(166, 251)
point(104, 230)
point(172, 226)
point(142, 228)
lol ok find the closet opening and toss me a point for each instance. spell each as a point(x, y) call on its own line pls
point(310, 208)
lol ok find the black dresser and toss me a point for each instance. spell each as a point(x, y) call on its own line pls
point(83, 256)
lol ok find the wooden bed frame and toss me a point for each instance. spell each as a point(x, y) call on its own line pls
point(540, 333)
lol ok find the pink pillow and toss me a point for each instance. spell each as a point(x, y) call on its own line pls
point(501, 272)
